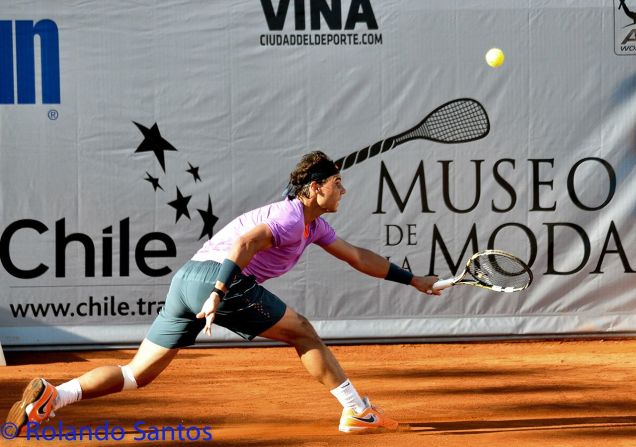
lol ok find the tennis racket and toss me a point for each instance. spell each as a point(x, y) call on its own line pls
point(457, 121)
point(493, 270)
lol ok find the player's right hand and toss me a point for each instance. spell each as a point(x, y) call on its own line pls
point(425, 284)
point(208, 311)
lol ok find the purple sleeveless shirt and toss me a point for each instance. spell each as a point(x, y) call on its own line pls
point(286, 221)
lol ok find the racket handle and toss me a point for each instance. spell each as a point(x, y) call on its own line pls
point(367, 152)
point(443, 284)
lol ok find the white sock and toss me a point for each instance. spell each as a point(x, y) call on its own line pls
point(348, 397)
point(67, 393)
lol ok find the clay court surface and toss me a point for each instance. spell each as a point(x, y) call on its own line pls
point(570, 393)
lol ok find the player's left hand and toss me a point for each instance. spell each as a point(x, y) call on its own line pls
point(208, 310)
point(425, 284)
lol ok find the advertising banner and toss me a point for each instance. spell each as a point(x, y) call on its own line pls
point(131, 132)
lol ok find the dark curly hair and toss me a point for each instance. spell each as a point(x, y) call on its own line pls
point(316, 166)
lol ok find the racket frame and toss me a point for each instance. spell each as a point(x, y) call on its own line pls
point(464, 277)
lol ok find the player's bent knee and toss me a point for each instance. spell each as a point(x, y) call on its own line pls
point(130, 383)
point(305, 331)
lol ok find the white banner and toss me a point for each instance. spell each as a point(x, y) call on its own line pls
point(130, 133)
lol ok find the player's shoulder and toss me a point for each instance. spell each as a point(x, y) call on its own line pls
point(288, 213)
point(292, 208)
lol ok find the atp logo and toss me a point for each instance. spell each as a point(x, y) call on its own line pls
point(23, 32)
point(624, 28)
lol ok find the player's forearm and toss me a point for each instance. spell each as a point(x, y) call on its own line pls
point(371, 263)
point(375, 265)
point(240, 254)
point(243, 251)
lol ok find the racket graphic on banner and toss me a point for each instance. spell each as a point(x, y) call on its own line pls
point(457, 121)
point(493, 270)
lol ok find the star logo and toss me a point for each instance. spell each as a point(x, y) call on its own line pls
point(209, 219)
point(154, 142)
point(153, 181)
point(194, 170)
point(181, 205)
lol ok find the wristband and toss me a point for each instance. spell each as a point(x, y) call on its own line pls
point(228, 271)
point(398, 274)
point(219, 292)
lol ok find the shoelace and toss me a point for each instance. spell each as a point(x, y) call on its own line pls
point(378, 409)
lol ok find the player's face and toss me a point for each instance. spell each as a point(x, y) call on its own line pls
point(331, 191)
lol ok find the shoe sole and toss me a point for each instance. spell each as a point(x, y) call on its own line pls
point(17, 414)
point(369, 430)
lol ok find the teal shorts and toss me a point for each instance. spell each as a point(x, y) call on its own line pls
point(248, 309)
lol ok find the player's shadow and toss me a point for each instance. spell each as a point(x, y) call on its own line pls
point(505, 390)
point(605, 426)
point(413, 374)
point(21, 358)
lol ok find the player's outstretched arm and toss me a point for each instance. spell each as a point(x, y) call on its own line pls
point(372, 264)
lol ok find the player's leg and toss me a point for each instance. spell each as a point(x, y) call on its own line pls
point(40, 398)
point(250, 310)
point(149, 361)
point(358, 414)
point(175, 327)
point(295, 330)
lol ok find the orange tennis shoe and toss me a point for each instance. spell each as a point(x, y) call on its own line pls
point(371, 420)
point(36, 405)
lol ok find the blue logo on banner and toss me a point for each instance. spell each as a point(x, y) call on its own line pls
point(25, 32)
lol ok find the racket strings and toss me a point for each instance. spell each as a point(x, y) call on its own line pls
point(455, 122)
point(500, 270)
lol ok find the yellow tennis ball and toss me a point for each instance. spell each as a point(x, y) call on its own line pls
point(495, 57)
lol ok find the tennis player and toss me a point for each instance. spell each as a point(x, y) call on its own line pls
point(221, 284)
